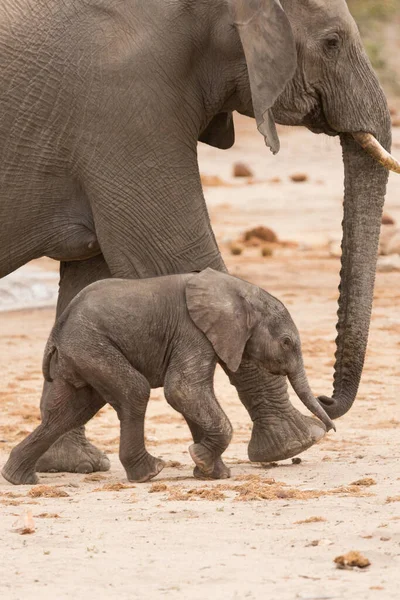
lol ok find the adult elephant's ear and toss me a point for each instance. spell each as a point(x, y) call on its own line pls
point(270, 52)
point(218, 307)
point(220, 132)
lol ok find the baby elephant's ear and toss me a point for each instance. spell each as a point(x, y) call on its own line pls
point(218, 308)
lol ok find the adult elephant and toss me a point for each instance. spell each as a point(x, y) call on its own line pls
point(102, 103)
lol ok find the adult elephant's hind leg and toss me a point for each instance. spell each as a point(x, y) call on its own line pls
point(280, 431)
point(72, 452)
point(65, 411)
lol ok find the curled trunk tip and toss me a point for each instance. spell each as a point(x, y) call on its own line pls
point(300, 385)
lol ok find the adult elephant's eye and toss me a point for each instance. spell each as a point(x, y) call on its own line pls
point(332, 43)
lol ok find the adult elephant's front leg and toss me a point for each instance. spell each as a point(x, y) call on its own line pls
point(72, 452)
point(280, 431)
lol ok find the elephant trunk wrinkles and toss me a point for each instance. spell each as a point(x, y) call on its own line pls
point(365, 189)
point(299, 382)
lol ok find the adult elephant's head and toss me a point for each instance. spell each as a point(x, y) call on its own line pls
point(331, 88)
point(335, 91)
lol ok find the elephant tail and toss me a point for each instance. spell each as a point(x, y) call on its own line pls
point(49, 352)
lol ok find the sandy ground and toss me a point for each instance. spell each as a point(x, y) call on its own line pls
point(272, 531)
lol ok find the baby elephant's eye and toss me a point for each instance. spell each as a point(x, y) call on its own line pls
point(287, 342)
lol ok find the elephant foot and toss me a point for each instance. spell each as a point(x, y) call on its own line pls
point(220, 471)
point(203, 458)
point(17, 473)
point(72, 453)
point(283, 436)
point(145, 469)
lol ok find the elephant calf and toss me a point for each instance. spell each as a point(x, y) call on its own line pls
point(123, 337)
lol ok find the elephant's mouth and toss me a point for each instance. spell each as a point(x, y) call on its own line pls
point(317, 122)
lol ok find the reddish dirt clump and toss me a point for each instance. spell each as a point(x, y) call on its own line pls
point(47, 491)
point(242, 170)
point(352, 559)
point(113, 487)
point(264, 234)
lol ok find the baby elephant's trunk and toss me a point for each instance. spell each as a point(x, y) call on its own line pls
point(299, 383)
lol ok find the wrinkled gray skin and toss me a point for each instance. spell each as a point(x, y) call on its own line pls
point(121, 338)
point(102, 103)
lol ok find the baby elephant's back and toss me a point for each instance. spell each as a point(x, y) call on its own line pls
point(121, 307)
point(137, 318)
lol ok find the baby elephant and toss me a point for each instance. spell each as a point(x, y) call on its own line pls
point(124, 337)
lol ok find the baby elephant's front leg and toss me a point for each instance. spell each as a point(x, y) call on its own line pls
point(196, 401)
point(220, 471)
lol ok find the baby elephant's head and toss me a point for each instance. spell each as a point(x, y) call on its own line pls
point(243, 321)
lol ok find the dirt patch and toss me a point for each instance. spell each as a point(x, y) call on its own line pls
point(352, 559)
point(158, 487)
point(310, 520)
point(206, 493)
point(47, 491)
point(390, 499)
point(364, 482)
point(94, 477)
point(114, 487)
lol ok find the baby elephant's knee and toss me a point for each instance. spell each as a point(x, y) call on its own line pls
point(224, 435)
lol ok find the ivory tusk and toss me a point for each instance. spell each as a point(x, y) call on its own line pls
point(374, 149)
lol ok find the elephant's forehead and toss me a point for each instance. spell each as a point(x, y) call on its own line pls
point(315, 15)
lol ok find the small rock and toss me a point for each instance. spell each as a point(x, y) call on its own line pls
point(267, 252)
point(323, 542)
point(242, 170)
point(296, 461)
point(388, 264)
point(387, 219)
point(236, 250)
point(299, 177)
point(265, 234)
point(395, 121)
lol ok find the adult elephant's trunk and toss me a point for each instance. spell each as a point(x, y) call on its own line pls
point(299, 382)
point(365, 188)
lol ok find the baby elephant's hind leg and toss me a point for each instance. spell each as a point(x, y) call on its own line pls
point(128, 392)
point(65, 412)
